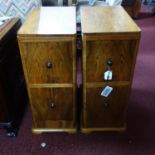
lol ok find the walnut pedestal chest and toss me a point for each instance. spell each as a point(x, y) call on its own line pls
point(110, 43)
point(48, 51)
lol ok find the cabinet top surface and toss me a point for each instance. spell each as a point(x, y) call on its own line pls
point(106, 19)
point(50, 21)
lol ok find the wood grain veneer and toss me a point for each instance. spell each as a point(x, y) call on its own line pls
point(108, 33)
point(106, 19)
point(48, 52)
point(61, 21)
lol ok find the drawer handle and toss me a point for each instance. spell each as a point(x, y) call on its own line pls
point(52, 105)
point(49, 65)
point(106, 105)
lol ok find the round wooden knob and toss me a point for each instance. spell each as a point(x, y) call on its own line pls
point(52, 105)
point(106, 105)
point(49, 65)
point(109, 62)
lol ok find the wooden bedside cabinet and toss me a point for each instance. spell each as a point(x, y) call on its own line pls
point(48, 50)
point(110, 43)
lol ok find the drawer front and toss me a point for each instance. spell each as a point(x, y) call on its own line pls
point(106, 111)
point(51, 105)
point(49, 62)
point(119, 52)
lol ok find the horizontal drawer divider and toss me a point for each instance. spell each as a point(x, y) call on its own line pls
point(112, 36)
point(85, 130)
point(35, 130)
point(100, 84)
point(41, 38)
point(55, 85)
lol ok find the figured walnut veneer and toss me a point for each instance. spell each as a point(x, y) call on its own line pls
point(108, 33)
point(48, 52)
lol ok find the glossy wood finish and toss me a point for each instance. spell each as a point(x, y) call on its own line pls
point(99, 52)
point(52, 105)
point(49, 62)
point(46, 62)
point(61, 21)
point(106, 19)
point(108, 34)
point(107, 111)
point(6, 27)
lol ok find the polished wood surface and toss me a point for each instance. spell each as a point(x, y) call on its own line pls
point(49, 63)
point(50, 21)
point(107, 111)
point(105, 38)
point(30, 26)
point(99, 52)
point(7, 26)
point(46, 62)
point(106, 19)
point(51, 104)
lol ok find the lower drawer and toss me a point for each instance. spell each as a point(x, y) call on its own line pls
point(52, 107)
point(105, 112)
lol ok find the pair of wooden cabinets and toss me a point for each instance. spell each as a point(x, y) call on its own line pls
point(48, 51)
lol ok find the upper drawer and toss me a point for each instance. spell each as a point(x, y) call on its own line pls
point(48, 62)
point(120, 52)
